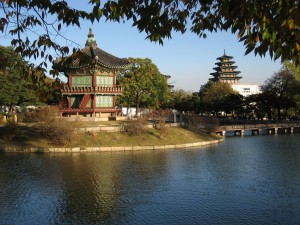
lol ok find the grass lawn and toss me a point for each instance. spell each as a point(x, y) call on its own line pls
point(171, 136)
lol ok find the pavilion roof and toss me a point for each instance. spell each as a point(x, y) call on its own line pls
point(91, 54)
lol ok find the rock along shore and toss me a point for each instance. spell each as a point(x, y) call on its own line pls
point(107, 149)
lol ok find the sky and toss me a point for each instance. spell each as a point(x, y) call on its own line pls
point(188, 59)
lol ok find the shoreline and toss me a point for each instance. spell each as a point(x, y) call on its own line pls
point(106, 149)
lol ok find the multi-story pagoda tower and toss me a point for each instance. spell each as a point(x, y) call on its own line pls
point(91, 89)
point(225, 71)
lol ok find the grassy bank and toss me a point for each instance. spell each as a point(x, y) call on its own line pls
point(26, 137)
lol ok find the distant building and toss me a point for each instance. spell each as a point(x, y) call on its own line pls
point(225, 72)
point(246, 89)
point(170, 86)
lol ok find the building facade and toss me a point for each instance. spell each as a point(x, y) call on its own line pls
point(91, 89)
point(246, 89)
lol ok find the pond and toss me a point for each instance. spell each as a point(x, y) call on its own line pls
point(244, 180)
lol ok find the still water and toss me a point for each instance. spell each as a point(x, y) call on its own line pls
point(245, 180)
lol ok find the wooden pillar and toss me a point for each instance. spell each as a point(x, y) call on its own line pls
point(69, 102)
point(114, 101)
point(70, 80)
point(94, 80)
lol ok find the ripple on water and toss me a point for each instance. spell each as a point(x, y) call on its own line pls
point(251, 180)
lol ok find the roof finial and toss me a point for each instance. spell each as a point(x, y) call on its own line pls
point(91, 41)
point(224, 52)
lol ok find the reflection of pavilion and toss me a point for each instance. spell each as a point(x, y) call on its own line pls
point(91, 89)
point(106, 183)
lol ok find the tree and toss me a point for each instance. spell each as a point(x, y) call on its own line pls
point(234, 104)
point(185, 101)
point(214, 96)
point(295, 70)
point(143, 85)
point(16, 91)
point(263, 26)
point(21, 84)
point(256, 107)
point(280, 91)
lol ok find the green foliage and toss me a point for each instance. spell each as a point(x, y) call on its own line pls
point(280, 90)
point(295, 70)
point(144, 85)
point(16, 91)
point(22, 84)
point(184, 101)
point(217, 96)
point(263, 26)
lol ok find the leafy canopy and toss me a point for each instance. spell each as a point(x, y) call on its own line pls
point(217, 96)
point(281, 91)
point(263, 26)
point(21, 84)
point(143, 85)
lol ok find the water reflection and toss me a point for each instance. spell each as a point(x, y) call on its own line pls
point(250, 180)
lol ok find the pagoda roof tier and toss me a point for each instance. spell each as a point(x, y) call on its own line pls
point(224, 57)
point(226, 78)
point(90, 54)
point(224, 62)
point(228, 72)
point(224, 67)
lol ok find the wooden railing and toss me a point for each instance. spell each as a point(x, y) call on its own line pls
point(90, 110)
point(86, 89)
point(253, 126)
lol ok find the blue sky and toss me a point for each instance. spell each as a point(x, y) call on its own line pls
point(186, 57)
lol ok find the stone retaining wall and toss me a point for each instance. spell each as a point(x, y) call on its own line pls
point(118, 128)
point(108, 149)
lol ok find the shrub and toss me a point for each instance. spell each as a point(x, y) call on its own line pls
point(2, 119)
point(9, 131)
point(136, 127)
point(159, 118)
point(48, 123)
point(195, 122)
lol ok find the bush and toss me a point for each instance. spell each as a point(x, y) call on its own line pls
point(2, 119)
point(159, 118)
point(136, 127)
point(9, 131)
point(48, 123)
point(195, 122)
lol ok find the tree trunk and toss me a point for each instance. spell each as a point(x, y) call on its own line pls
point(278, 113)
point(137, 103)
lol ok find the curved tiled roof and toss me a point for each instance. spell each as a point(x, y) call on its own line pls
point(91, 54)
point(225, 68)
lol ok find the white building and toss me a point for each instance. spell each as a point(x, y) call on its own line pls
point(246, 89)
